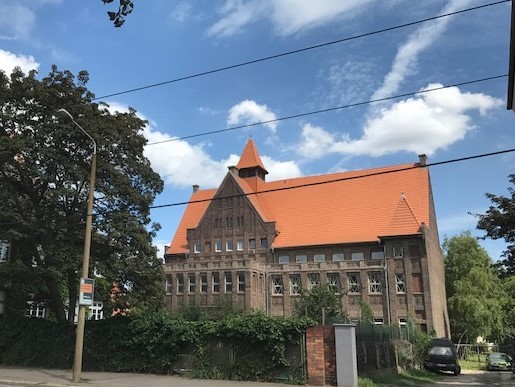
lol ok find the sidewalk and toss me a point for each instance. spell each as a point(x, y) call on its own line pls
point(18, 376)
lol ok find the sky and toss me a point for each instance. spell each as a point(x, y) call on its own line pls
point(163, 40)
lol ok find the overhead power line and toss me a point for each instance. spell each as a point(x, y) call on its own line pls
point(300, 50)
point(329, 109)
point(415, 166)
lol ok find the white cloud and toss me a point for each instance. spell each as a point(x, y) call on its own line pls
point(16, 20)
point(405, 61)
point(181, 12)
point(280, 170)
point(287, 16)
point(248, 112)
point(8, 61)
point(422, 124)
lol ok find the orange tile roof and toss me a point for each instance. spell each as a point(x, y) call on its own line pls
point(350, 210)
point(250, 157)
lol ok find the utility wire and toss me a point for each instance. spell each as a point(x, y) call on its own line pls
point(329, 109)
point(254, 61)
point(415, 166)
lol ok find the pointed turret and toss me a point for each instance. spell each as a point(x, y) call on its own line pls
point(250, 164)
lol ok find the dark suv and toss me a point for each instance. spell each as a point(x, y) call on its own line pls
point(442, 356)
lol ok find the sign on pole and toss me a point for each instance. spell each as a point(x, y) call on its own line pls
point(87, 286)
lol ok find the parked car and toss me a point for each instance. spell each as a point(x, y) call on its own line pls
point(442, 356)
point(499, 361)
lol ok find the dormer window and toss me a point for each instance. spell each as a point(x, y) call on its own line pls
point(196, 247)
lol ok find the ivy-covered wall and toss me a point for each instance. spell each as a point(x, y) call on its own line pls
point(257, 346)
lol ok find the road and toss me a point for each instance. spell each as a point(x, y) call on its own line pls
point(478, 378)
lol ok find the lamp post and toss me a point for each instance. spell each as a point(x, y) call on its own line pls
point(79, 340)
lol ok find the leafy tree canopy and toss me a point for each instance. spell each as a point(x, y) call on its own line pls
point(499, 223)
point(125, 7)
point(320, 301)
point(44, 184)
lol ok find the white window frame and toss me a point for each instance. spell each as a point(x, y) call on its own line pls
point(375, 286)
point(239, 245)
point(240, 279)
point(333, 280)
point(313, 280)
point(215, 282)
point(180, 283)
point(96, 311)
point(319, 258)
point(301, 258)
point(338, 257)
point(203, 283)
point(228, 245)
point(378, 321)
point(218, 245)
point(277, 285)
point(398, 251)
point(228, 282)
point(354, 285)
point(168, 284)
point(196, 247)
point(191, 284)
point(35, 310)
point(400, 283)
point(283, 259)
point(295, 284)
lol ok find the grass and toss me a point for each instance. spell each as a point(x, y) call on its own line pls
point(472, 365)
point(409, 378)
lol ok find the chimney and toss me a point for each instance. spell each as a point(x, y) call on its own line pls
point(422, 160)
point(195, 188)
point(234, 171)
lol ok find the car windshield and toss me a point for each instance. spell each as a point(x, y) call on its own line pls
point(440, 351)
point(499, 356)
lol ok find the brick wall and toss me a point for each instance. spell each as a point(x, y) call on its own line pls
point(321, 356)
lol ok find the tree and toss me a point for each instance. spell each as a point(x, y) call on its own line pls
point(125, 7)
point(499, 223)
point(474, 293)
point(320, 301)
point(44, 184)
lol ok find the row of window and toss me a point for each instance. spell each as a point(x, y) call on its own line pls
point(229, 245)
point(375, 283)
point(39, 310)
point(355, 256)
point(229, 222)
point(216, 285)
point(229, 202)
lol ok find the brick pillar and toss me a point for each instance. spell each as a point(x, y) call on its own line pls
point(321, 356)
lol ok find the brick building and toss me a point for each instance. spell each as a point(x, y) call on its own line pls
point(371, 234)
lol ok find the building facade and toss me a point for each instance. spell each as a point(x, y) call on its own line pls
point(370, 234)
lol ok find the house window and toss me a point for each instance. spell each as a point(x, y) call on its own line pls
point(35, 310)
point(277, 285)
point(403, 322)
point(203, 283)
point(218, 246)
point(295, 284)
point(398, 251)
point(228, 282)
point(284, 259)
point(358, 256)
point(238, 224)
point(378, 321)
point(196, 247)
point(338, 257)
point(301, 258)
point(313, 280)
point(319, 258)
point(96, 311)
point(377, 254)
point(374, 283)
point(241, 281)
point(207, 247)
point(333, 279)
point(264, 243)
point(191, 283)
point(228, 245)
point(4, 250)
point(215, 278)
point(239, 245)
point(252, 243)
point(416, 280)
point(354, 282)
point(400, 283)
point(168, 284)
point(180, 283)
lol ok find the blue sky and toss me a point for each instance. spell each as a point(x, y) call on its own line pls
point(163, 40)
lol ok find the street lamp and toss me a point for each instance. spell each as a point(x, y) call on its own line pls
point(79, 340)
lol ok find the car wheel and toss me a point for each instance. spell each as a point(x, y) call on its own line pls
point(457, 371)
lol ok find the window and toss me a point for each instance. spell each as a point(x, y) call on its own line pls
point(378, 321)
point(377, 254)
point(207, 247)
point(4, 250)
point(238, 222)
point(180, 283)
point(295, 284)
point(191, 283)
point(228, 245)
point(252, 243)
point(354, 282)
point(284, 259)
point(374, 283)
point(264, 243)
point(301, 258)
point(358, 256)
point(241, 281)
point(400, 283)
point(96, 311)
point(203, 283)
point(215, 278)
point(239, 245)
point(168, 284)
point(403, 322)
point(277, 285)
point(416, 283)
point(338, 257)
point(35, 310)
point(218, 246)
point(196, 247)
point(319, 258)
point(414, 250)
point(228, 282)
point(313, 280)
point(333, 279)
point(398, 251)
